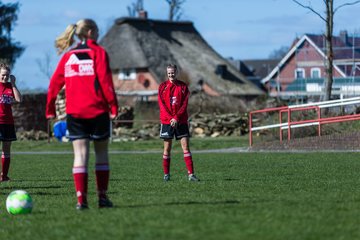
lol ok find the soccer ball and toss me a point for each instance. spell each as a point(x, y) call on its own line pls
point(19, 202)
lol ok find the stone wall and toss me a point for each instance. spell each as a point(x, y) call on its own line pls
point(30, 113)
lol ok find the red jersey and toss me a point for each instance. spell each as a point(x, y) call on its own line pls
point(7, 98)
point(89, 89)
point(173, 101)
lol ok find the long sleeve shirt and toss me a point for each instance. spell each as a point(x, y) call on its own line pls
point(89, 89)
point(7, 98)
point(173, 101)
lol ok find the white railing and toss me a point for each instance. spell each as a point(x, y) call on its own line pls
point(318, 120)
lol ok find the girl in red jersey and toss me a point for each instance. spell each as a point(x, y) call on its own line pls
point(173, 98)
point(90, 104)
point(9, 95)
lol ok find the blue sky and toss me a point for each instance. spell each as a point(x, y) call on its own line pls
point(241, 29)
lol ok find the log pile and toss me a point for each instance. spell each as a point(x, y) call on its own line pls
point(148, 131)
point(60, 105)
point(31, 135)
point(201, 125)
point(125, 117)
point(212, 125)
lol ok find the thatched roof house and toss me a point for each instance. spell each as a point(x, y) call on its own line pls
point(139, 50)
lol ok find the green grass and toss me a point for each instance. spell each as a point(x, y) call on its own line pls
point(154, 144)
point(240, 196)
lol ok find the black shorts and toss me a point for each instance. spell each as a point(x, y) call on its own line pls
point(7, 132)
point(168, 132)
point(97, 128)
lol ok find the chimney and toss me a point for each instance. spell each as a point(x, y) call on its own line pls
point(142, 14)
point(344, 36)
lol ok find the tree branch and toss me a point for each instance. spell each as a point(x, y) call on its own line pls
point(175, 9)
point(311, 9)
point(346, 4)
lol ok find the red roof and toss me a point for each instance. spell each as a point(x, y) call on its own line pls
point(344, 47)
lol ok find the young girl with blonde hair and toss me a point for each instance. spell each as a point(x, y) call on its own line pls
point(173, 97)
point(90, 104)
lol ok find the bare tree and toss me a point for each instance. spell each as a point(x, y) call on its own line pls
point(175, 10)
point(329, 21)
point(135, 8)
point(279, 53)
point(45, 65)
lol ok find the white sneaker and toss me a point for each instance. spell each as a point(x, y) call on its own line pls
point(193, 178)
point(166, 177)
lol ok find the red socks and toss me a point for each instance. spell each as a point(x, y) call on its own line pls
point(5, 164)
point(187, 159)
point(166, 164)
point(102, 172)
point(189, 162)
point(81, 183)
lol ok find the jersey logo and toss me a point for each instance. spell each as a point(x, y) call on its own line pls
point(173, 100)
point(6, 99)
point(77, 65)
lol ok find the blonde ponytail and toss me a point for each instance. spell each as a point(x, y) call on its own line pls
point(66, 39)
point(80, 29)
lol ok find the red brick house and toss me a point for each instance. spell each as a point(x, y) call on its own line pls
point(139, 50)
point(302, 71)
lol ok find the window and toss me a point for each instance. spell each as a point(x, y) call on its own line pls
point(127, 74)
point(315, 73)
point(146, 83)
point(144, 98)
point(300, 73)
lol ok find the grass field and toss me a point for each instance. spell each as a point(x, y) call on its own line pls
point(240, 196)
point(154, 144)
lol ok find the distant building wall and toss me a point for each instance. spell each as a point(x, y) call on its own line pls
point(138, 85)
point(30, 113)
point(139, 81)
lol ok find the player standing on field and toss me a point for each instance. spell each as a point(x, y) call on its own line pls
point(173, 96)
point(90, 104)
point(9, 95)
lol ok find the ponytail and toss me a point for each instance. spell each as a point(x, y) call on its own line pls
point(66, 39)
point(80, 29)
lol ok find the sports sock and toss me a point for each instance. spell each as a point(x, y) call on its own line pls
point(166, 164)
point(189, 162)
point(81, 183)
point(5, 164)
point(102, 173)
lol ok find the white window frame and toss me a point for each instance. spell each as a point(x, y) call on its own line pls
point(127, 74)
point(315, 70)
point(299, 70)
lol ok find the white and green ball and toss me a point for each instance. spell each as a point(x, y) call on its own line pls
point(19, 202)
